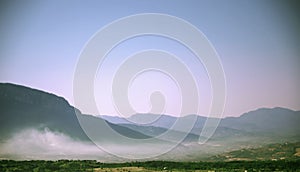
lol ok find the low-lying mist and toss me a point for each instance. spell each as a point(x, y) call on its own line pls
point(46, 144)
point(36, 144)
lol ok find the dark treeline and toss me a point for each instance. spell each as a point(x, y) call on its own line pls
point(89, 165)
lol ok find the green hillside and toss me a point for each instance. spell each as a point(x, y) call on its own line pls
point(273, 152)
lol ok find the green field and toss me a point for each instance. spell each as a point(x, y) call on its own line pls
point(92, 165)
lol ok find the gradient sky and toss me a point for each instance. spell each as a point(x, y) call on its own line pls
point(257, 41)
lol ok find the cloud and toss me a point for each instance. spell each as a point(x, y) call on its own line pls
point(37, 144)
point(45, 144)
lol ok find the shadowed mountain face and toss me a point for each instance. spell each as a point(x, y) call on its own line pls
point(24, 108)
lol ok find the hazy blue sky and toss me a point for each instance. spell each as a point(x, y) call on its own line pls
point(257, 41)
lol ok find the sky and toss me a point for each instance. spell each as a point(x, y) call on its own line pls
point(258, 44)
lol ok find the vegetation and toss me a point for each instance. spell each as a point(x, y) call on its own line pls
point(92, 165)
point(274, 152)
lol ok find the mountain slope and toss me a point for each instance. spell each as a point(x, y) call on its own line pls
point(283, 151)
point(276, 120)
point(23, 107)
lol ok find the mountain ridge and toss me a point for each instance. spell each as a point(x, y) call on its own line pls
point(25, 96)
point(62, 99)
point(23, 107)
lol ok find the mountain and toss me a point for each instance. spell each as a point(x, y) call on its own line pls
point(154, 120)
point(280, 120)
point(266, 124)
point(277, 120)
point(23, 107)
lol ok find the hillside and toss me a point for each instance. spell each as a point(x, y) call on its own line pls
point(23, 107)
point(274, 152)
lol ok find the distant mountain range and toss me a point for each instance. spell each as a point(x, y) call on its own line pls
point(23, 107)
point(276, 122)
